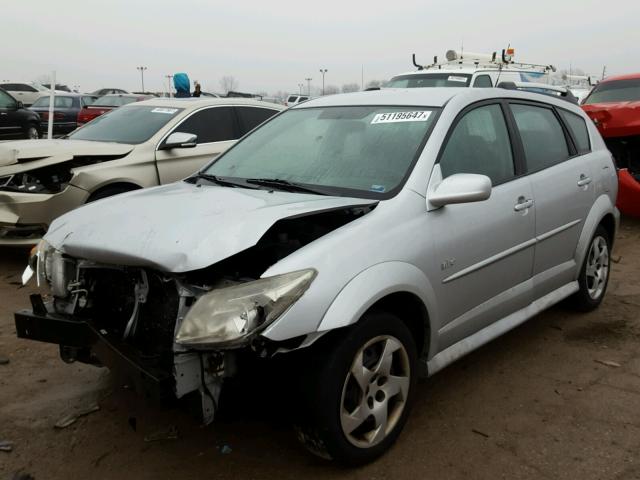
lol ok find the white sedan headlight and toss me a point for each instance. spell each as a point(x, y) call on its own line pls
point(228, 315)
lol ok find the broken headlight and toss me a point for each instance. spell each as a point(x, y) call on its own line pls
point(228, 315)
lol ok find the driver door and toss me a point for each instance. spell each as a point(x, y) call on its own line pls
point(217, 129)
point(485, 249)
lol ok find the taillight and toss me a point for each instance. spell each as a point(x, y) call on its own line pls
point(58, 116)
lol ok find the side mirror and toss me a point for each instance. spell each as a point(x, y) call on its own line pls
point(461, 188)
point(19, 105)
point(180, 140)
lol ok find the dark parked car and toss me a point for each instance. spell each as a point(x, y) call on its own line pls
point(15, 120)
point(66, 109)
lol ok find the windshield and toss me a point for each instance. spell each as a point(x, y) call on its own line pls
point(113, 101)
point(134, 124)
point(364, 151)
point(422, 80)
point(615, 91)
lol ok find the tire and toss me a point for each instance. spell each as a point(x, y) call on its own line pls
point(333, 427)
point(594, 273)
point(109, 192)
point(32, 132)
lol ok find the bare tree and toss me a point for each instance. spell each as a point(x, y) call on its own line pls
point(350, 87)
point(228, 83)
point(331, 90)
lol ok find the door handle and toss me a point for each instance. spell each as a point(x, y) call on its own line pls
point(584, 180)
point(523, 204)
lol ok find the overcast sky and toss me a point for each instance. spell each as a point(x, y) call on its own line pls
point(274, 45)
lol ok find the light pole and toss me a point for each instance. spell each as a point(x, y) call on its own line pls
point(323, 71)
point(300, 85)
point(142, 69)
point(309, 85)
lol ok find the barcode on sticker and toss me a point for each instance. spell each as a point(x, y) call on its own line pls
point(453, 78)
point(168, 111)
point(391, 117)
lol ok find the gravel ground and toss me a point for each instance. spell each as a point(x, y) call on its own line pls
point(557, 398)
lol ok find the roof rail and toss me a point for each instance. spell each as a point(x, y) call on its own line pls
point(552, 90)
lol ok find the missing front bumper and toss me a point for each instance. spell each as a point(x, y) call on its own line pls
point(153, 383)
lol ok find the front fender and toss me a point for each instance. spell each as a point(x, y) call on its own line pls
point(375, 283)
point(601, 207)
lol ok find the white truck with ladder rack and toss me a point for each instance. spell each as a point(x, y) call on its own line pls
point(479, 70)
point(467, 69)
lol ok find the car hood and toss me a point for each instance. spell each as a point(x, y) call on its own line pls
point(29, 154)
point(615, 119)
point(180, 227)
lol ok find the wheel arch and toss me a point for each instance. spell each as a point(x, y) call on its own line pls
point(603, 212)
point(126, 186)
point(394, 287)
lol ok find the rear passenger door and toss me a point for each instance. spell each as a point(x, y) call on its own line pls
point(485, 249)
point(250, 117)
point(217, 129)
point(563, 190)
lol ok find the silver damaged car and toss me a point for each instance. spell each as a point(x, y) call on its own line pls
point(360, 241)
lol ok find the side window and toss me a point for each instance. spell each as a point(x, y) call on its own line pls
point(480, 144)
point(6, 101)
point(292, 98)
point(482, 81)
point(542, 136)
point(211, 125)
point(12, 87)
point(28, 88)
point(578, 128)
point(251, 117)
point(302, 99)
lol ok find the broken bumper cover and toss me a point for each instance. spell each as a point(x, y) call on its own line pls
point(153, 383)
point(25, 217)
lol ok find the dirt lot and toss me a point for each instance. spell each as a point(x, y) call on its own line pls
point(536, 404)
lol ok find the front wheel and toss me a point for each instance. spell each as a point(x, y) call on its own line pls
point(32, 132)
point(594, 274)
point(360, 397)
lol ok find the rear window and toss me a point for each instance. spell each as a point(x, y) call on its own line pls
point(578, 128)
point(59, 102)
point(615, 91)
point(113, 101)
point(542, 136)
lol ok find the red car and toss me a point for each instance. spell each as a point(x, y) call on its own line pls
point(614, 106)
point(106, 104)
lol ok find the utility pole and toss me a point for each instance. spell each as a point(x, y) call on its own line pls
point(309, 85)
point(604, 70)
point(300, 85)
point(362, 78)
point(323, 71)
point(142, 69)
point(169, 79)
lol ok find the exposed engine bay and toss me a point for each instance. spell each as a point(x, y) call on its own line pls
point(141, 310)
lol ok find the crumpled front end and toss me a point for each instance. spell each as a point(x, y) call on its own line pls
point(172, 334)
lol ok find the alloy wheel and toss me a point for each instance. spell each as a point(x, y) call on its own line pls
point(32, 133)
point(375, 391)
point(597, 269)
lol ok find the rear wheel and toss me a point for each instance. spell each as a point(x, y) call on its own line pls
point(594, 274)
point(360, 396)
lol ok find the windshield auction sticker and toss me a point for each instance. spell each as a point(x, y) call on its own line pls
point(453, 78)
point(393, 117)
point(168, 111)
